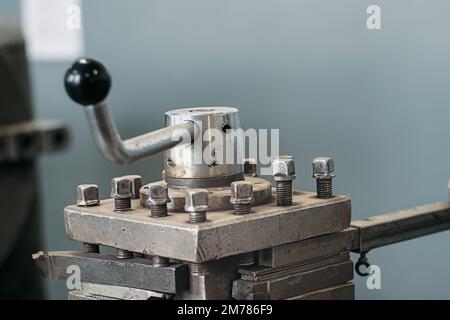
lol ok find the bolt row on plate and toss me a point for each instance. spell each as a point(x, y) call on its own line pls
point(125, 188)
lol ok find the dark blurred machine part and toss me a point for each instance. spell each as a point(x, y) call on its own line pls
point(22, 139)
point(213, 230)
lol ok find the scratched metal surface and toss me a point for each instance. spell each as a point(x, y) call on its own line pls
point(224, 234)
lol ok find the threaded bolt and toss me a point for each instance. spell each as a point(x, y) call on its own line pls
point(240, 209)
point(159, 261)
point(241, 197)
point(158, 199)
point(324, 188)
point(122, 204)
point(197, 217)
point(283, 169)
point(196, 203)
point(121, 191)
point(248, 259)
point(149, 257)
point(199, 268)
point(323, 172)
point(158, 210)
point(124, 254)
point(284, 193)
point(90, 247)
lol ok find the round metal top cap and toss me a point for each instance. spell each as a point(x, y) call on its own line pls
point(202, 111)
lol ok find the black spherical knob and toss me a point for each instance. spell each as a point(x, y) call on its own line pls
point(87, 82)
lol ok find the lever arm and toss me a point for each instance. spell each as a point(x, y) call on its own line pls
point(88, 83)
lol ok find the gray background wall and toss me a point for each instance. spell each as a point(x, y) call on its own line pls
point(377, 101)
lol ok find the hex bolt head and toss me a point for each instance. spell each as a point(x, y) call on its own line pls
point(241, 192)
point(121, 191)
point(158, 193)
point(121, 187)
point(323, 168)
point(87, 195)
point(250, 167)
point(241, 197)
point(283, 170)
point(136, 184)
point(196, 203)
point(196, 200)
point(323, 172)
point(158, 199)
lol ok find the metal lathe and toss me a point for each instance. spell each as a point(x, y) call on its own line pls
point(23, 139)
point(213, 230)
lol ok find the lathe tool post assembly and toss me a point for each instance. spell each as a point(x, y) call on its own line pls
point(213, 229)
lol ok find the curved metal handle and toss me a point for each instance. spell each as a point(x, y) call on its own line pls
point(112, 146)
point(88, 83)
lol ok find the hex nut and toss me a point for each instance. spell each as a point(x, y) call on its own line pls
point(196, 200)
point(241, 192)
point(87, 195)
point(323, 168)
point(283, 168)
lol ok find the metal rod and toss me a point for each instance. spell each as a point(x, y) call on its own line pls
point(382, 230)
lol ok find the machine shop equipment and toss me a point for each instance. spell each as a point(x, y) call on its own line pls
point(211, 230)
point(22, 140)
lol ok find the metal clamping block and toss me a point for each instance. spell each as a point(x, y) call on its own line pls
point(223, 235)
point(340, 292)
point(281, 283)
point(97, 268)
point(94, 291)
point(304, 250)
point(81, 295)
point(213, 280)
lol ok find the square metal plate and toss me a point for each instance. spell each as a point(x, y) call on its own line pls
point(224, 234)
